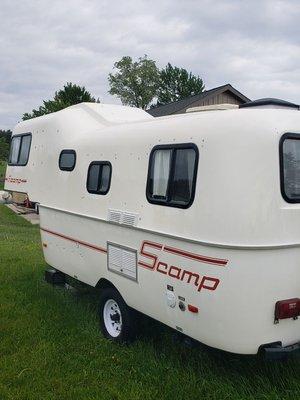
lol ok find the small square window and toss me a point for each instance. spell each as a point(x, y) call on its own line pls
point(67, 160)
point(99, 177)
point(172, 175)
point(290, 167)
point(19, 149)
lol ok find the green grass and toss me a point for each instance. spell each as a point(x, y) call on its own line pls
point(2, 173)
point(50, 347)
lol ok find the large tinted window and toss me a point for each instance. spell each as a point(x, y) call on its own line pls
point(172, 175)
point(19, 149)
point(290, 167)
point(67, 160)
point(99, 176)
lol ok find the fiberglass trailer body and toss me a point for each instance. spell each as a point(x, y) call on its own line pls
point(193, 220)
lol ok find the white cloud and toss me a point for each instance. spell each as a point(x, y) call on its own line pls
point(252, 45)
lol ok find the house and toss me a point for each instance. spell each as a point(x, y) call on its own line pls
point(225, 94)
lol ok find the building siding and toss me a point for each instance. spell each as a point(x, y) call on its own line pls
point(223, 98)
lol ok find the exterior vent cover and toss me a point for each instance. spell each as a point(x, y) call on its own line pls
point(114, 216)
point(129, 219)
point(122, 217)
point(122, 260)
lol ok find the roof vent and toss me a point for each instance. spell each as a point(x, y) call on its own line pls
point(270, 103)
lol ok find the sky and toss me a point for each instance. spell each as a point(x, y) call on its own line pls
point(253, 45)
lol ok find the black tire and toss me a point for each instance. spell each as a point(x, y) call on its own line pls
point(126, 315)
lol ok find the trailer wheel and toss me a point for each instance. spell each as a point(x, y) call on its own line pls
point(117, 320)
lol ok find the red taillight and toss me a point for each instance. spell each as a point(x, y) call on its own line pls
point(193, 309)
point(287, 309)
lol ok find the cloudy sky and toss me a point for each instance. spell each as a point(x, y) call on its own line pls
point(254, 45)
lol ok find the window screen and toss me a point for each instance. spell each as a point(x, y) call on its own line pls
point(67, 160)
point(99, 177)
point(19, 149)
point(290, 167)
point(172, 175)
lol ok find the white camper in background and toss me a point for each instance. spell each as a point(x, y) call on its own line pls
point(193, 219)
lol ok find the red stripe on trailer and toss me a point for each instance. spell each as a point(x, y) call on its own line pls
point(150, 256)
point(144, 265)
point(196, 257)
point(158, 246)
point(90, 246)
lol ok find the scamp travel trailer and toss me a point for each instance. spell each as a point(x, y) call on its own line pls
point(191, 219)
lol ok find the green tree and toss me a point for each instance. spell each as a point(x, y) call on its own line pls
point(70, 94)
point(6, 134)
point(176, 84)
point(135, 82)
point(4, 149)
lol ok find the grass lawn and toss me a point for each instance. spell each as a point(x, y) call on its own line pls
point(50, 347)
point(2, 173)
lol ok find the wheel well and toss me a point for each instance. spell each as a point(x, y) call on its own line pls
point(104, 283)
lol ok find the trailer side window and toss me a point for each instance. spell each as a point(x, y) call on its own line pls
point(99, 177)
point(172, 175)
point(290, 167)
point(67, 160)
point(19, 149)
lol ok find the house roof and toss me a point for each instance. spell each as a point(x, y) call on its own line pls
point(176, 106)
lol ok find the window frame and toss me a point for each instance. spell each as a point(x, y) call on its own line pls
point(101, 163)
point(293, 136)
point(67, 151)
point(173, 148)
point(21, 135)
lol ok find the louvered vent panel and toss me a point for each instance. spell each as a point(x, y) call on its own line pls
point(122, 260)
point(115, 257)
point(129, 219)
point(124, 218)
point(114, 216)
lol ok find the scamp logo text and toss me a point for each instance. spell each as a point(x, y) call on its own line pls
point(15, 180)
point(150, 253)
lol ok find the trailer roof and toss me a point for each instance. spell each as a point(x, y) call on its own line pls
point(268, 101)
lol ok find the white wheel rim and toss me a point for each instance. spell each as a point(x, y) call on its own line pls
point(112, 318)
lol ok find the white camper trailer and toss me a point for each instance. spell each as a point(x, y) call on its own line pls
point(193, 219)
